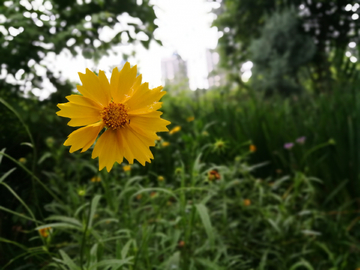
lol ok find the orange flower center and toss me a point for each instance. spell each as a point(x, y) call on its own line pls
point(115, 115)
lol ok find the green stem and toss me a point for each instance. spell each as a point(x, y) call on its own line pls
point(26, 128)
point(84, 238)
point(32, 175)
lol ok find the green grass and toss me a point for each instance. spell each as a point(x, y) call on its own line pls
point(271, 209)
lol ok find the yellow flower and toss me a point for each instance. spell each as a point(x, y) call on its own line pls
point(50, 141)
point(161, 178)
point(44, 232)
point(205, 133)
point(127, 168)
point(81, 192)
point(252, 148)
point(127, 109)
point(164, 144)
point(95, 179)
point(153, 194)
point(247, 202)
point(219, 145)
point(190, 119)
point(22, 160)
point(174, 130)
point(178, 171)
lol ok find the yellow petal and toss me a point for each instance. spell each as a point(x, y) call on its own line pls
point(114, 81)
point(149, 122)
point(134, 147)
point(145, 97)
point(105, 86)
point(109, 149)
point(123, 82)
point(79, 122)
point(89, 115)
point(145, 110)
point(147, 137)
point(84, 137)
point(94, 88)
point(84, 101)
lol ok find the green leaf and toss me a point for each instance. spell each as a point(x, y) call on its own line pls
point(28, 144)
point(204, 215)
point(6, 174)
point(125, 249)
point(173, 262)
point(60, 225)
point(1, 156)
point(68, 262)
point(112, 263)
point(302, 263)
point(43, 157)
point(71, 220)
point(94, 204)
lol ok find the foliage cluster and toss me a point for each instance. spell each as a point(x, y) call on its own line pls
point(269, 33)
point(29, 30)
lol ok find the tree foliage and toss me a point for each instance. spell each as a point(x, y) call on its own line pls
point(279, 54)
point(29, 30)
point(330, 24)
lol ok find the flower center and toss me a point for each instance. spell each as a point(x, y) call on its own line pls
point(115, 115)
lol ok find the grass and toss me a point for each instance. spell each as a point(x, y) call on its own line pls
point(206, 201)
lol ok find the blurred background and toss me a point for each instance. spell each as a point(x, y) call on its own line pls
point(260, 169)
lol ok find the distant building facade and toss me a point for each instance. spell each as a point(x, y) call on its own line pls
point(174, 70)
point(199, 72)
point(215, 76)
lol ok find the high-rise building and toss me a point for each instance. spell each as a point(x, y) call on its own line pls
point(215, 77)
point(174, 70)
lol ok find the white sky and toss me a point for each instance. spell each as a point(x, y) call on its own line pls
point(184, 27)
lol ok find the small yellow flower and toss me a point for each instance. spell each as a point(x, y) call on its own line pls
point(44, 232)
point(81, 192)
point(95, 179)
point(22, 160)
point(127, 168)
point(219, 145)
point(164, 144)
point(161, 178)
point(50, 142)
point(190, 119)
point(124, 106)
point(252, 148)
point(178, 171)
point(174, 130)
point(247, 202)
point(332, 141)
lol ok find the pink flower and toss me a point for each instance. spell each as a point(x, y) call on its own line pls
point(301, 140)
point(289, 145)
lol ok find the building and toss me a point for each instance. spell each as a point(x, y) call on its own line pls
point(174, 71)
